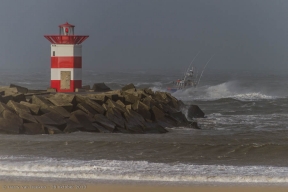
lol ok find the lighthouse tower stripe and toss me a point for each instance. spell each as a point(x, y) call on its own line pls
point(64, 50)
point(66, 57)
point(66, 62)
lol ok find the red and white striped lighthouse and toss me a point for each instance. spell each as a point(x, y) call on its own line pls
point(66, 59)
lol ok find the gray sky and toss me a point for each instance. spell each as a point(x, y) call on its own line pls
point(150, 34)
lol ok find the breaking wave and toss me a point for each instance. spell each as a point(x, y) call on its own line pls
point(46, 168)
point(224, 90)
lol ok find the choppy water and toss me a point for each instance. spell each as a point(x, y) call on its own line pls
point(244, 138)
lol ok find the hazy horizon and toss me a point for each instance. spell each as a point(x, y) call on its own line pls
point(150, 35)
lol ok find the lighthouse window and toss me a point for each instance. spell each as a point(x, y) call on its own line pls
point(53, 53)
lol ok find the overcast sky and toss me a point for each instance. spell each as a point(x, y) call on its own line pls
point(150, 34)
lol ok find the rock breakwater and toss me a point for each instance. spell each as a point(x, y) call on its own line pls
point(128, 110)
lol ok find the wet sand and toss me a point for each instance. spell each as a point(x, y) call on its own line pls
point(74, 187)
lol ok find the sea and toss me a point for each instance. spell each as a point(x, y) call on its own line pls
point(243, 138)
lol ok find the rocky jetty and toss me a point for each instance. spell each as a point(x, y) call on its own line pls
point(128, 110)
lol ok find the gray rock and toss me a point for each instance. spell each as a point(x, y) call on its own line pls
point(41, 101)
point(68, 98)
point(195, 112)
point(154, 127)
point(35, 109)
point(52, 130)
point(72, 126)
point(44, 120)
point(130, 99)
point(100, 128)
point(7, 114)
point(59, 110)
point(157, 113)
point(116, 117)
point(148, 91)
point(179, 118)
point(6, 98)
point(86, 87)
point(105, 122)
point(27, 117)
point(18, 97)
point(18, 107)
point(134, 122)
point(114, 105)
point(99, 98)
point(61, 102)
point(33, 128)
point(100, 87)
point(19, 88)
point(142, 109)
point(4, 107)
point(51, 90)
point(83, 119)
point(60, 122)
point(86, 108)
point(9, 126)
point(129, 86)
point(95, 106)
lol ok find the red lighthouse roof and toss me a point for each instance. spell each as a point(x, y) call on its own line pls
point(66, 25)
point(66, 35)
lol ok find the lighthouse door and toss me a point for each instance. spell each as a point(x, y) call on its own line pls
point(65, 79)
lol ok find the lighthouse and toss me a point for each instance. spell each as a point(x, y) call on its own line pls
point(66, 59)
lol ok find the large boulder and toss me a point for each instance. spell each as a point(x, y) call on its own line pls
point(72, 126)
point(52, 130)
point(195, 112)
point(60, 111)
point(9, 126)
point(98, 98)
point(161, 97)
point(100, 128)
point(179, 118)
point(115, 105)
point(41, 101)
point(19, 88)
point(35, 109)
point(100, 87)
point(142, 109)
point(86, 108)
point(4, 107)
point(105, 122)
point(134, 122)
point(115, 116)
point(6, 98)
point(98, 108)
point(7, 114)
point(148, 91)
point(129, 87)
point(154, 127)
point(157, 113)
point(130, 99)
point(60, 121)
point(61, 102)
point(33, 128)
point(84, 120)
point(27, 117)
point(18, 107)
point(66, 98)
point(18, 97)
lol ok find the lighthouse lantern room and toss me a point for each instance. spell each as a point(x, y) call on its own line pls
point(66, 59)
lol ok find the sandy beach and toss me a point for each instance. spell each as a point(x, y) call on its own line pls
point(74, 187)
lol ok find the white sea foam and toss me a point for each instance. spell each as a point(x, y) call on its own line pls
point(229, 89)
point(138, 171)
